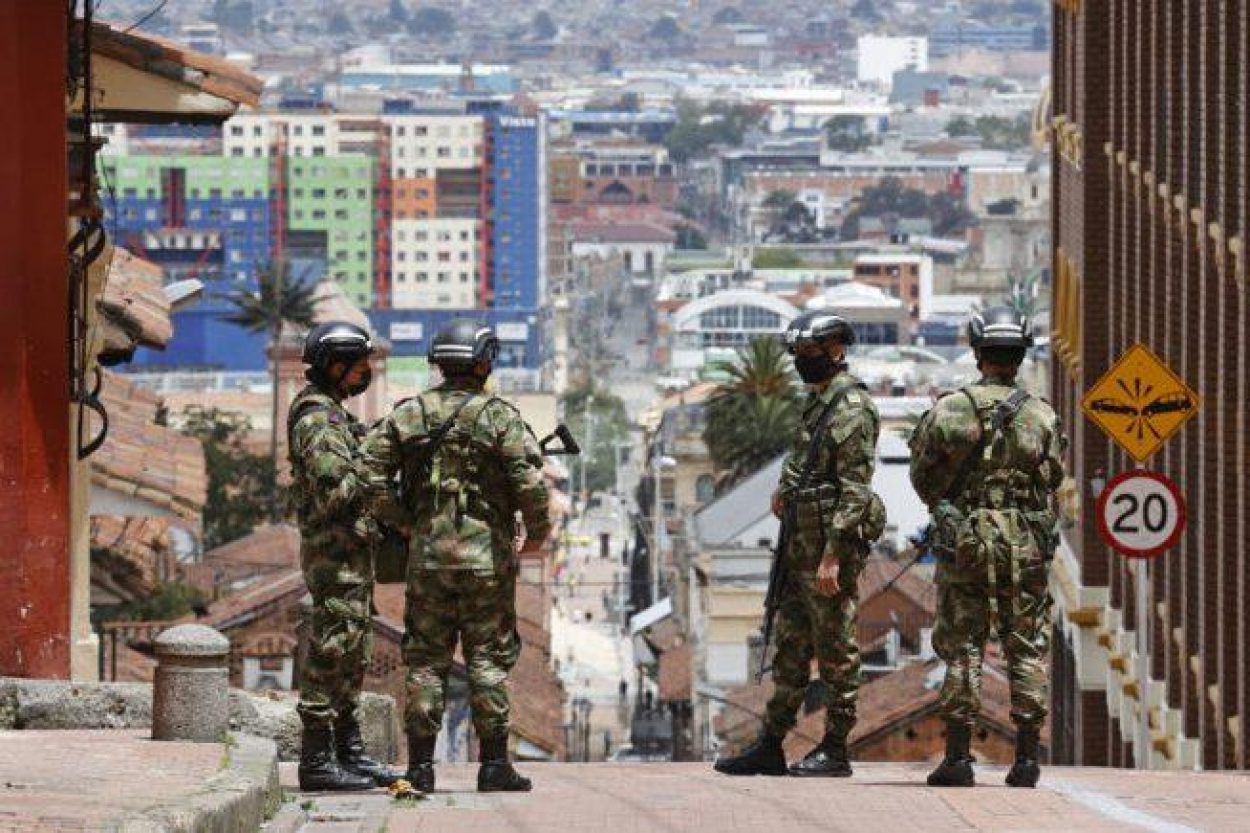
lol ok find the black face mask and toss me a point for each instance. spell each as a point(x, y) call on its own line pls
point(361, 386)
point(816, 369)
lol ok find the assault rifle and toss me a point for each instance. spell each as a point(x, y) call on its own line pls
point(568, 445)
point(776, 583)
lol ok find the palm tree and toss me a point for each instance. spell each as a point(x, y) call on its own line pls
point(753, 414)
point(279, 300)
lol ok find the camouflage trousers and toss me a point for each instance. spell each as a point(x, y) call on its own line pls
point(995, 581)
point(479, 611)
point(340, 642)
point(809, 626)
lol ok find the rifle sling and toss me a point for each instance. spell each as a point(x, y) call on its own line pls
point(1004, 414)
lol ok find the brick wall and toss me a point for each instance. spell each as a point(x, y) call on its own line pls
point(1150, 210)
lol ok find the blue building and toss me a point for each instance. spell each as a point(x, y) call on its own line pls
point(409, 332)
point(955, 36)
point(515, 171)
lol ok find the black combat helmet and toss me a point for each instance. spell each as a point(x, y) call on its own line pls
point(462, 343)
point(817, 326)
point(333, 342)
point(1001, 335)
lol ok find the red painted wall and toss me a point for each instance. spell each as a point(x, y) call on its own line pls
point(34, 350)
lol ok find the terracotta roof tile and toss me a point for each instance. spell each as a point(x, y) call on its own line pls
point(144, 459)
point(176, 62)
point(270, 549)
point(125, 551)
point(878, 572)
point(135, 301)
point(249, 604)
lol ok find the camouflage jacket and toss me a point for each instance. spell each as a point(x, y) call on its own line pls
point(1020, 468)
point(328, 487)
point(462, 499)
point(834, 501)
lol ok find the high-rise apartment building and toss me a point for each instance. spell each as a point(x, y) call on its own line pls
point(1150, 210)
point(441, 212)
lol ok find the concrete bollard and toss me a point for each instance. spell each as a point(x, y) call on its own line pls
point(190, 700)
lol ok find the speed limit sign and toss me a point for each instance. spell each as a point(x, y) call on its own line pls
point(1141, 514)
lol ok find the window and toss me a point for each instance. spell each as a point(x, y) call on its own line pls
point(444, 153)
point(340, 214)
point(318, 130)
point(423, 277)
point(236, 151)
point(705, 488)
point(444, 277)
point(401, 256)
point(319, 214)
point(464, 277)
point(236, 130)
point(318, 151)
point(130, 193)
point(319, 193)
point(298, 130)
point(421, 256)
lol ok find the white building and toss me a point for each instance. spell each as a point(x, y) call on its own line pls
point(714, 326)
point(434, 263)
point(881, 57)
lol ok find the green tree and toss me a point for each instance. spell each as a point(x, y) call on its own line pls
point(890, 198)
point(779, 199)
point(961, 126)
point(665, 29)
point(240, 482)
point(847, 134)
point(582, 407)
point(543, 26)
point(698, 128)
point(171, 600)
point(431, 21)
point(339, 24)
point(752, 416)
point(689, 237)
point(280, 301)
point(776, 258)
point(397, 12)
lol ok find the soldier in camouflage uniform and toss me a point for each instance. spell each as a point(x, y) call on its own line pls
point(467, 463)
point(987, 460)
point(825, 497)
point(335, 555)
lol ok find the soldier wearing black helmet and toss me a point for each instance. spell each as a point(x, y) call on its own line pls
point(987, 460)
point(323, 440)
point(830, 517)
point(467, 464)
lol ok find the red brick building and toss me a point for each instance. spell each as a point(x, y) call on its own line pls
point(1150, 206)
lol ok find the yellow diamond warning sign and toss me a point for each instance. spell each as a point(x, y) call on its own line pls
point(1140, 403)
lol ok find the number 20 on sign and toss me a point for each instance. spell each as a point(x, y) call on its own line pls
point(1141, 514)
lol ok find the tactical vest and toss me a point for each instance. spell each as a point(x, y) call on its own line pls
point(997, 479)
point(448, 481)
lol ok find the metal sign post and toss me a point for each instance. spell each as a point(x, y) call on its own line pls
point(1141, 514)
point(1141, 580)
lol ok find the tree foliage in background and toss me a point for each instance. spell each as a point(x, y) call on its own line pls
point(238, 479)
point(280, 301)
point(752, 416)
point(948, 212)
point(689, 237)
point(995, 132)
point(431, 21)
point(171, 600)
point(698, 128)
point(848, 134)
point(776, 258)
point(599, 446)
point(544, 27)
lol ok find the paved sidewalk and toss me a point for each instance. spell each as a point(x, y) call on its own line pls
point(101, 780)
point(671, 798)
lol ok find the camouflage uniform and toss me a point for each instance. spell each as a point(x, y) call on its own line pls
point(829, 514)
point(995, 540)
point(334, 553)
point(462, 564)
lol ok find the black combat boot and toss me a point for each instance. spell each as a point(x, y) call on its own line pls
point(496, 773)
point(828, 759)
point(351, 752)
point(764, 757)
point(1026, 771)
point(956, 768)
point(318, 771)
point(421, 763)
